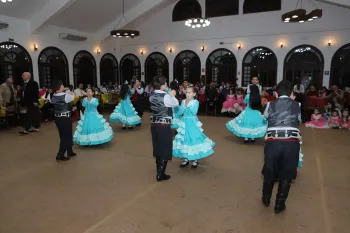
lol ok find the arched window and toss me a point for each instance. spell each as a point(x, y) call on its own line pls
point(218, 8)
point(186, 9)
point(53, 64)
point(130, 68)
point(156, 64)
point(255, 6)
point(84, 69)
point(14, 60)
point(305, 63)
point(187, 66)
point(340, 68)
point(108, 69)
point(221, 66)
point(260, 62)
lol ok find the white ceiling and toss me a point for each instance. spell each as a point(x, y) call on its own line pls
point(91, 15)
point(23, 9)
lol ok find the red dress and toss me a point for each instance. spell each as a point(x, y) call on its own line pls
point(317, 122)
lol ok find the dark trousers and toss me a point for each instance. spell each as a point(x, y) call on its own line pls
point(162, 140)
point(64, 126)
point(281, 159)
point(32, 118)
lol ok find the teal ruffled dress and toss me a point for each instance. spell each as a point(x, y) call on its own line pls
point(92, 129)
point(248, 124)
point(190, 142)
point(125, 113)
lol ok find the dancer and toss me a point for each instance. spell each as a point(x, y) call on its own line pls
point(255, 81)
point(92, 129)
point(282, 146)
point(190, 143)
point(125, 112)
point(317, 121)
point(250, 124)
point(61, 101)
point(162, 105)
point(228, 105)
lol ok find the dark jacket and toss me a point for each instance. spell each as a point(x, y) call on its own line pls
point(30, 93)
point(211, 93)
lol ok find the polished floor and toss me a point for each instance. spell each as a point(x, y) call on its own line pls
point(112, 188)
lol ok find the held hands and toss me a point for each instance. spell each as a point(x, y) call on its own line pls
point(172, 93)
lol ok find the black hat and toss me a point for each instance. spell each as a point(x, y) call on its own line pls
point(57, 85)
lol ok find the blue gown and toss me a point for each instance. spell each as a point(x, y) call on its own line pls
point(125, 112)
point(176, 118)
point(92, 129)
point(190, 142)
point(249, 124)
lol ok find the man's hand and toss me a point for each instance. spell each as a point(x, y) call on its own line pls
point(172, 93)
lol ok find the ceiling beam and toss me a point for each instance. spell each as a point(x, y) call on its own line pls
point(132, 14)
point(341, 3)
point(51, 9)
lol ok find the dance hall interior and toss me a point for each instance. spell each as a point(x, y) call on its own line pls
point(167, 116)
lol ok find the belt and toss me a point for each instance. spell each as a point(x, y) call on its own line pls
point(63, 114)
point(160, 120)
point(282, 134)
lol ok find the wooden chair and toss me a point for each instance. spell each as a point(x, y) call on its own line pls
point(210, 105)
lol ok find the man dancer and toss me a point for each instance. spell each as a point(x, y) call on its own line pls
point(282, 145)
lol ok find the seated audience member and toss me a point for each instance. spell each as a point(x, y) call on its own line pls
point(325, 91)
point(312, 91)
point(7, 96)
point(79, 91)
point(42, 91)
point(211, 92)
point(48, 105)
point(337, 96)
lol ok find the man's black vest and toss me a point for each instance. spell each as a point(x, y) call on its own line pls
point(60, 104)
point(283, 112)
point(160, 113)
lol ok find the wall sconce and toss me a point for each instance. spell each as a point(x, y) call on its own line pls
point(329, 42)
point(36, 47)
point(170, 50)
point(239, 46)
point(98, 51)
point(202, 48)
point(281, 45)
point(141, 51)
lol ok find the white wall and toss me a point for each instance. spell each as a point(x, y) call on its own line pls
point(158, 32)
point(20, 31)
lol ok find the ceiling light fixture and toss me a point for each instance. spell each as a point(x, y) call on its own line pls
point(124, 33)
point(197, 23)
point(300, 16)
point(6, 1)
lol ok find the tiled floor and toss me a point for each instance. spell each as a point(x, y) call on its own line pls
point(112, 188)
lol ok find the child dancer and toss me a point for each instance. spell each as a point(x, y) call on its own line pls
point(61, 101)
point(162, 105)
point(92, 129)
point(228, 105)
point(345, 119)
point(282, 146)
point(250, 124)
point(255, 81)
point(125, 111)
point(335, 120)
point(190, 143)
point(317, 121)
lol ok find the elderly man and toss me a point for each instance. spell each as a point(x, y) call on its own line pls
point(7, 95)
point(30, 104)
point(337, 96)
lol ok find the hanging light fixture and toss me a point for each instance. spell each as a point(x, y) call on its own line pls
point(197, 22)
point(6, 1)
point(124, 33)
point(300, 16)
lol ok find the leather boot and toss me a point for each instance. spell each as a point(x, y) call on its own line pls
point(61, 158)
point(282, 195)
point(267, 192)
point(161, 166)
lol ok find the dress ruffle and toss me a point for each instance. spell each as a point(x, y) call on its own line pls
point(191, 152)
point(118, 116)
point(88, 135)
point(312, 125)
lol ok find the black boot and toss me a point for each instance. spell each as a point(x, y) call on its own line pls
point(283, 190)
point(71, 154)
point(161, 166)
point(61, 158)
point(267, 192)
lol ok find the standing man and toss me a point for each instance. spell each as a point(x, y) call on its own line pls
point(282, 145)
point(7, 96)
point(137, 98)
point(30, 104)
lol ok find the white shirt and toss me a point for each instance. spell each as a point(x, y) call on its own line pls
point(266, 115)
point(301, 89)
point(79, 92)
point(67, 98)
point(103, 90)
point(260, 88)
point(169, 101)
point(139, 90)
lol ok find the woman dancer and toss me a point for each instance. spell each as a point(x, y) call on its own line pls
point(250, 124)
point(125, 112)
point(92, 129)
point(190, 143)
